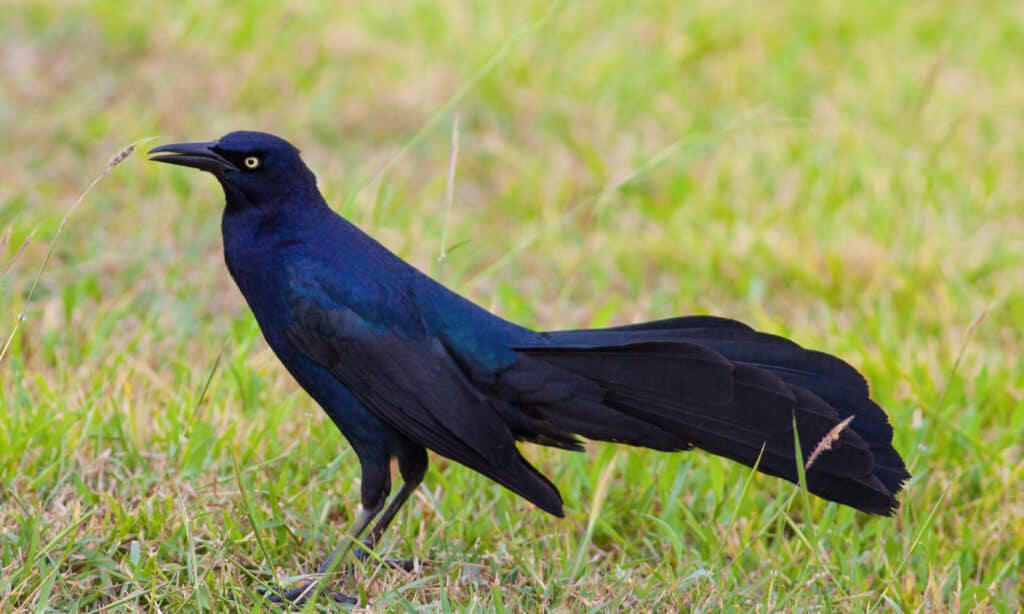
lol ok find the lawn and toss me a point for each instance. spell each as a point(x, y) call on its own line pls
point(850, 175)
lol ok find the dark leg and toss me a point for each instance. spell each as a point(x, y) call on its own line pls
point(376, 486)
point(412, 464)
point(307, 586)
point(351, 538)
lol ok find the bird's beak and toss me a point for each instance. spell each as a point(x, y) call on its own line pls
point(201, 155)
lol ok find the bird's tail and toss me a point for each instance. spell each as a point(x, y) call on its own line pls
point(721, 386)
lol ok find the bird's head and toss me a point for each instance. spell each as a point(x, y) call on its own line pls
point(256, 169)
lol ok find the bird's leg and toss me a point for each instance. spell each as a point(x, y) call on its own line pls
point(307, 586)
point(412, 464)
point(375, 488)
point(378, 529)
point(351, 538)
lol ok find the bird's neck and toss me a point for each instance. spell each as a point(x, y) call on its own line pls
point(253, 236)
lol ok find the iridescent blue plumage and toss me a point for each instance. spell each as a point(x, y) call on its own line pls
point(402, 364)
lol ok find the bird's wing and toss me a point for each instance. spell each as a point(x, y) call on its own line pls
point(410, 380)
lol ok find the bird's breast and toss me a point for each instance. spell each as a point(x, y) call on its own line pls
point(250, 261)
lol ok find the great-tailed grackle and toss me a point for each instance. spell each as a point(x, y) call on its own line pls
point(402, 364)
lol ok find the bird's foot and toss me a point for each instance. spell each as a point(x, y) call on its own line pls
point(303, 590)
point(364, 557)
point(306, 586)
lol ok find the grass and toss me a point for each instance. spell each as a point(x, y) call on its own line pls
point(848, 175)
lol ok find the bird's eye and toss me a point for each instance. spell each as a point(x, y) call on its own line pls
point(252, 162)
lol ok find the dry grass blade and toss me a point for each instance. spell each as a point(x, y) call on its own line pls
point(449, 196)
point(959, 357)
point(826, 442)
point(116, 159)
point(24, 244)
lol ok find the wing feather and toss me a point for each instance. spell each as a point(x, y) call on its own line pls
point(412, 382)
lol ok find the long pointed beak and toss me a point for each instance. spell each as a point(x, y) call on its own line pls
point(201, 155)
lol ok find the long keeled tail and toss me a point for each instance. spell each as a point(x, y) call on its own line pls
point(719, 385)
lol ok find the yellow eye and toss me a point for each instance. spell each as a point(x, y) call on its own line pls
point(252, 162)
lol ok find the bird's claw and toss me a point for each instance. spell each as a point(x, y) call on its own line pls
point(404, 564)
point(306, 586)
point(302, 591)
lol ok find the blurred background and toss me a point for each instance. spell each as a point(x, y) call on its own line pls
point(845, 174)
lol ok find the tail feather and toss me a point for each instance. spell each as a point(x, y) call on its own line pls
point(719, 385)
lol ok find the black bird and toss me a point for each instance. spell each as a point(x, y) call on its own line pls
point(402, 364)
